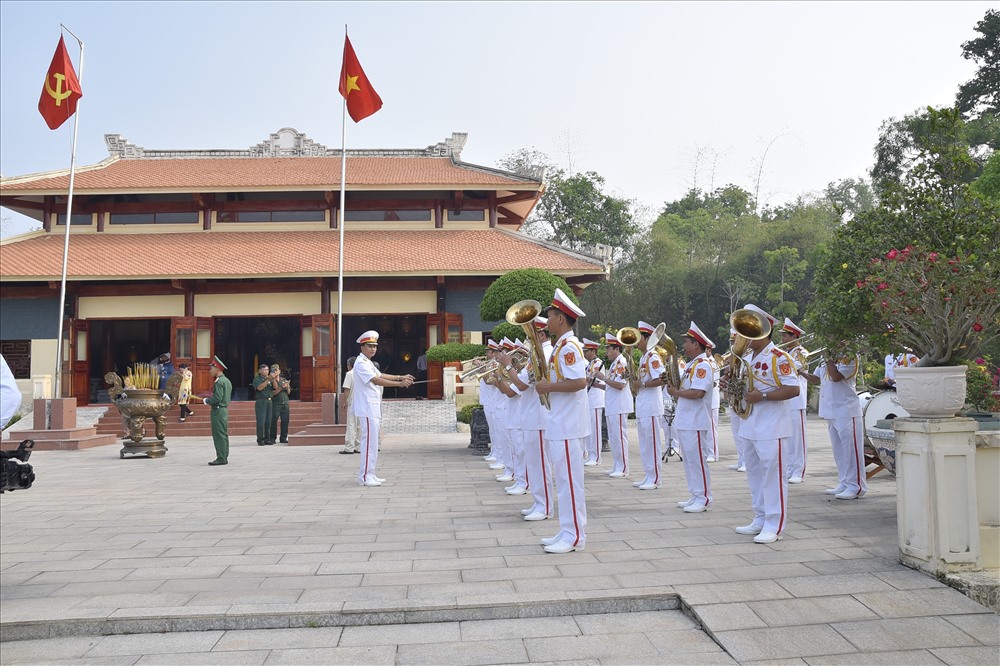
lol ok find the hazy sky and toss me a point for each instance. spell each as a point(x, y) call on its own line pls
point(633, 91)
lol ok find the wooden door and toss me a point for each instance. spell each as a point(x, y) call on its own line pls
point(76, 363)
point(203, 351)
point(317, 360)
point(182, 341)
point(442, 327)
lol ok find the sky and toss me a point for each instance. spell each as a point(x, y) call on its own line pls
point(654, 97)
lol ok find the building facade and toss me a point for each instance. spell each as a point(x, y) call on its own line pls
point(236, 253)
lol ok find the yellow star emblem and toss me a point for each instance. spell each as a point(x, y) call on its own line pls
point(352, 84)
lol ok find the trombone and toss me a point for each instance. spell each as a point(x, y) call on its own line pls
point(801, 341)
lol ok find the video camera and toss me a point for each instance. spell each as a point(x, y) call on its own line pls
point(16, 473)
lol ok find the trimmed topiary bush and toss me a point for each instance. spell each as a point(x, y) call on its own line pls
point(455, 351)
point(465, 414)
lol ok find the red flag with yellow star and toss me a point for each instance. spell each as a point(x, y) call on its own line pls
point(362, 100)
point(61, 90)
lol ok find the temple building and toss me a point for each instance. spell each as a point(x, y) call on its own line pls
point(235, 253)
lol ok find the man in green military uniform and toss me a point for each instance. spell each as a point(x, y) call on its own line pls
point(263, 385)
point(279, 404)
point(219, 403)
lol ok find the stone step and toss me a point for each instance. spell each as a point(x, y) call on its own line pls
point(86, 442)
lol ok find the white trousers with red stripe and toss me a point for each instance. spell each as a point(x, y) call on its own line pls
point(594, 443)
point(713, 450)
point(796, 450)
point(567, 468)
point(766, 470)
point(516, 440)
point(694, 448)
point(650, 444)
point(538, 471)
point(368, 434)
point(848, 440)
point(496, 440)
point(618, 441)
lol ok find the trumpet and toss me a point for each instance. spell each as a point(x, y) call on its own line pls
point(477, 370)
point(523, 314)
point(749, 326)
point(629, 337)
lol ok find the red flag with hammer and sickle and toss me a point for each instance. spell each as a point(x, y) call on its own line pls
point(362, 100)
point(61, 90)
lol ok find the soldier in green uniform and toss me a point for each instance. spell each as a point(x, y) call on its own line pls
point(279, 404)
point(263, 385)
point(219, 402)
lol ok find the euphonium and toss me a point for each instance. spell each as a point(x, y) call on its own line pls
point(749, 326)
point(665, 348)
point(629, 337)
point(523, 314)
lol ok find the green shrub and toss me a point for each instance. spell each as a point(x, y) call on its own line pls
point(522, 284)
point(455, 351)
point(979, 386)
point(465, 414)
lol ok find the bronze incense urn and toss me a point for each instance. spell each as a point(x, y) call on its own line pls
point(138, 404)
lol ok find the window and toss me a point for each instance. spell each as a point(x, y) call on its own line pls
point(387, 215)
point(155, 218)
point(466, 215)
point(272, 216)
point(79, 219)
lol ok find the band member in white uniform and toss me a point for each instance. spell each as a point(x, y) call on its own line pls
point(734, 418)
point(649, 410)
point(765, 432)
point(487, 398)
point(595, 399)
point(500, 410)
point(692, 420)
point(618, 404)
point(531, 421)
point(512, 394)
point(713, 454)
point(368, 405)
point(798, 450)
point(566, 427)
point(839, 405)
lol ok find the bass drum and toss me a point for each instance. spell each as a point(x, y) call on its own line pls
point(883, 406)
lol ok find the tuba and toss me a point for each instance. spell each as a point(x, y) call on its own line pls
point(667, 350)
point(523, 314)
point(749, 326)
point(629, 337)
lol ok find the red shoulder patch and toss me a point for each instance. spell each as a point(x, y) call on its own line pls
point(570, 357)
point(700, 373)
point(785, 369)
point(656, 363)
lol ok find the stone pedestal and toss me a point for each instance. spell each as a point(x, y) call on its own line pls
point(480, 432)
point(55, 428)
point(327, 432)
point(937, 516)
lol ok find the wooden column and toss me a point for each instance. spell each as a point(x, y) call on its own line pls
point(439, 215)
point(492, 197)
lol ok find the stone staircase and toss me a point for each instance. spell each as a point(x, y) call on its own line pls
point(242, 420)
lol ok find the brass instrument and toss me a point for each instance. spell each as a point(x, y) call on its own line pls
point(477, 370)
point(523, 314)
point(805, 338)
point(749, 326)
point(666, 349)
point(629, 337)
point(820, 358)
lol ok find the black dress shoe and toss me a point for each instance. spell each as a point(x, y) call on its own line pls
point(261, 443)
point(346, 452)
point(219, 462)
point(269, 443)
point(283, 441)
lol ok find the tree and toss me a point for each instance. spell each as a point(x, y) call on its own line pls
point(519, 285)
point(981, 95)
point(849, 197)
point(784, 264)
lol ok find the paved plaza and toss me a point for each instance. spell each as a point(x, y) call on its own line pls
point(280, 557)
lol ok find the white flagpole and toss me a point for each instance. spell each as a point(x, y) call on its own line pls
point(69, 219)
point(340, 254)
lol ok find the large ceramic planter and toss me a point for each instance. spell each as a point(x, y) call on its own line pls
point(931, 393)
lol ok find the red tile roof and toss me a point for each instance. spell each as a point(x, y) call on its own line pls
point(269, 173)
point(237, 254)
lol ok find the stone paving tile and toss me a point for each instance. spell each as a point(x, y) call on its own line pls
point(812, 610)
point(29, 591)
point(70, 647)
point(354, 594)
point(903, 634)
point(761, 571)
point(814, 586)
point(350, 656)
point(725, 617)
point(894, 658)
point(136, 600)
point(248, 658)
point(465, 653)
point(783, 642)
point(683, 642)
point(640, 621)
point(168, 611)
point(985, 627)
point(275, 639)
point(908, 579)
point(162, 574)
point(516, 629)
point(195, 585)
point(309, 582)
point(140, 644)
point(632, 647)
point(731, 592)
point(682, 577)
point(402, 634)
point(245, 597)
point(968, 656)
point(915, 603)
point(834, 567)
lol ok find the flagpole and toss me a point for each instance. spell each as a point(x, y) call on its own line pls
point(69, 222)
point(340, 253)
